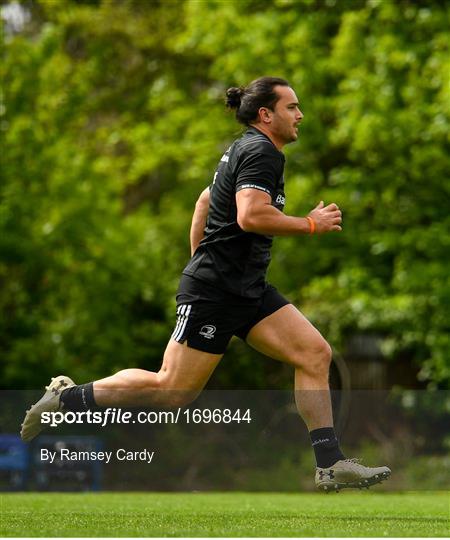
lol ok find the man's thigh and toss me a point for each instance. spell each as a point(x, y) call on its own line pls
point(185, 368)
point(286, 335)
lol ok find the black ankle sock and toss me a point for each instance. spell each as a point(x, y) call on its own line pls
point(325, 446)
point(79, 397)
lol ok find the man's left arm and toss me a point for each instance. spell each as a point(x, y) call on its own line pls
point(199, 220)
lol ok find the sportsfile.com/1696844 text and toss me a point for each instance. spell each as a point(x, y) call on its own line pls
point(113, 415)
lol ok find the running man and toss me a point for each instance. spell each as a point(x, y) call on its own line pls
point(223, 291)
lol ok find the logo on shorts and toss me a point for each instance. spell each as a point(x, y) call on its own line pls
point(207, 331)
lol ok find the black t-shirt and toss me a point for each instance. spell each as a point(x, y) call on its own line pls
point(229, 258)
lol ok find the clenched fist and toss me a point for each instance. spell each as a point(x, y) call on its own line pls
point(326, 218)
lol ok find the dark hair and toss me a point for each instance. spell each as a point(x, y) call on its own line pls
point(248, 100)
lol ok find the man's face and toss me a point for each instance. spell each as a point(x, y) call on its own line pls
point(286, 116)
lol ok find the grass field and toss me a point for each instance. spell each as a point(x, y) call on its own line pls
point(418, 514)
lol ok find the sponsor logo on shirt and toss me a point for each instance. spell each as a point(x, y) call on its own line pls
point(280, 199)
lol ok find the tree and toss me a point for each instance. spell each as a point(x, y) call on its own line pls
point(113, 122)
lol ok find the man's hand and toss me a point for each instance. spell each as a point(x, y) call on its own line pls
point(326, 218)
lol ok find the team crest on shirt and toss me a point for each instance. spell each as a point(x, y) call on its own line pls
point(208, 331)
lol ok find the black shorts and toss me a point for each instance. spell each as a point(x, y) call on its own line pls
point(208, 317)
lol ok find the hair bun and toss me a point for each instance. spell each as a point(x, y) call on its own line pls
point(234, 96)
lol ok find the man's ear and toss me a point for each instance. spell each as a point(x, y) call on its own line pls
point(264, 114)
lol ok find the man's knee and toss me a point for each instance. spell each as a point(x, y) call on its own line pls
point(180, 398)
point(171, 397)
point(314, 359)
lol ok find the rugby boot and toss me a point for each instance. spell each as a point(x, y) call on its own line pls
point(49, 402)
point(349, 473)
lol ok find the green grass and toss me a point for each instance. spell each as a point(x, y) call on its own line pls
point(417, 514)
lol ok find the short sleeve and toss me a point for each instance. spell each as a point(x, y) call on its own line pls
point(259, 171)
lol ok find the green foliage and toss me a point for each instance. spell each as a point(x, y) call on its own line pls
point(113, 122)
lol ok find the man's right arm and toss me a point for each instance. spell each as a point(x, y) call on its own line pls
point(256, 214)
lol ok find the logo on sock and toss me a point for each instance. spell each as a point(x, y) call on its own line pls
point(320, 441)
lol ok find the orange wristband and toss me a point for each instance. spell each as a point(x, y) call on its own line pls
point(312, 225)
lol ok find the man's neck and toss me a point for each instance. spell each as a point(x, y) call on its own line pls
point(260, 127)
